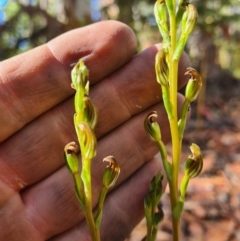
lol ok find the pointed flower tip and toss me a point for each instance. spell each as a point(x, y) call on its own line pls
point(111, 172)
point(151, 126)
point(194, 85)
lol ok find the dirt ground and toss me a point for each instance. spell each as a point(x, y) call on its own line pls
point(212, 206)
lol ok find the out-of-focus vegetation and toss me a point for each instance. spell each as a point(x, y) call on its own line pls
point(214, 45)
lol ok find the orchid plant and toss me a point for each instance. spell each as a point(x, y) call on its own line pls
point(176, 21)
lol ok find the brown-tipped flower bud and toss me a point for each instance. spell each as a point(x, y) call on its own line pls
point(111, 172)
point(161, 68)
point(151, 126)
point(71, 150)
point(90, 113)
point(189, 19)
point(87, 141)
point(194, 85)
point(194, 163)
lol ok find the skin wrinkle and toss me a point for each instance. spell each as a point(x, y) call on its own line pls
point(63, 193)
point(11, 209)
point(32, 147)
point(10, 178)
point(131, 85)
point(119, 90)
point(23, 112)
point(121, 98)
point(13, 116)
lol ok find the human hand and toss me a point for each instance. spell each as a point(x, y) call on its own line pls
point(37, 197)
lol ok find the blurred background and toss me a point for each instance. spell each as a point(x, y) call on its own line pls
point(212, 209)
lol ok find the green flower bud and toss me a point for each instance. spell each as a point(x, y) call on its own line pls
point(160, 12)
point(79, 75)
point(194, 85)
point(90, 113)
point(194, 163)
point(181, 10)
point(87, 141)
point(151, 126)
point(111, 172)
point(80, 84)
point(189, 20)
point(71, 150)
point(161, 68)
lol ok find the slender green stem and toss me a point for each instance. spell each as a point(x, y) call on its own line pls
point(167, 166)
point(87, 182)
point(98, 213)
point(173, 73)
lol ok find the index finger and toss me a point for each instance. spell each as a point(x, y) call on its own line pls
point(34, 82)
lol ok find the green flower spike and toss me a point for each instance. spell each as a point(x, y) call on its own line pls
point(194, 85)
